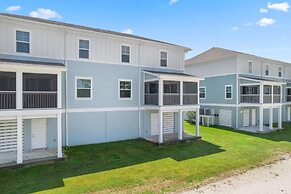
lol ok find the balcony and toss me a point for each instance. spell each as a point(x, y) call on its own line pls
point(250, 98)
point(38, 91)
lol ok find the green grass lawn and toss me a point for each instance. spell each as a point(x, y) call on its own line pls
point(142, 167)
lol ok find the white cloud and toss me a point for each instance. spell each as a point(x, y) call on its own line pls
point(45, 14)
point(248, 23)
point(279, 6)
point(234, 28)
point(172, 2)
point(127, 31)
point(266, 22)
point(263, 10)
point(13, 8)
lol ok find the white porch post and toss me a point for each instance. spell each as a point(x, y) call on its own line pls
point(261, 93)
point(161, 92)
point(197, 123)
point(288, 113)
point(271, 118)
point(272, 94)
point(181, 93)
point(19, 89)
point(261, 116)
point(19, 158)
point(181, 120)
point(160, 126)
point(59, 133)
point(59, 98)
point(280, 117)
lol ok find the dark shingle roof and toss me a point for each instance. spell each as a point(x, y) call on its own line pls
point(31, 62)
point(90, 29)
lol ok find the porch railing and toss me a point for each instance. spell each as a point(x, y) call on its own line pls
point(171, 99)
point(152, 99)
point(7, 99)
point(250, 98)
point(276, 98)
point(288, 98)
point(267, 98)
point(190, 99)
point(39, 99)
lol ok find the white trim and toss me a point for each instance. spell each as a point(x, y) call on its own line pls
point(30, 68)
point(124, 80)
point(76, 88)
point(59, 90)
point(161, 58)
point(214, 104)
point(89, 50)
point(30, 41)
point(204, 92)
point(225, 92)
point(127, 45)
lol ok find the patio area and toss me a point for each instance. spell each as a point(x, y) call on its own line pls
point(171, 137)
point(255, 129)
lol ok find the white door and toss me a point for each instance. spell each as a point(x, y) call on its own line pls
point(38, 133)
point(154, 124)
point(246, 117)
point(254, 117)
point(225, 117)
point(168, 122)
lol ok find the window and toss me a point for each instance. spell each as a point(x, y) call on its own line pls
point(267, 90)
point(125, 54)
point(202, 92)
point(125, 89)
point(250, 67)
point(84, 49)
point(22, 42)
point(279, 71)
point(228, 92)
point(267, 70)
point(83, 88)
point(163, 59)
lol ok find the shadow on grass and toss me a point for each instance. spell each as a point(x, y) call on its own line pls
point(277, 136)
point(96, 158)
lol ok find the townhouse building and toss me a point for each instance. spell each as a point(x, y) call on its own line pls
point(64, 85)
point(243, 91)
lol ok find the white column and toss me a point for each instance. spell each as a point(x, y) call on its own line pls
point(271, 118)
point(19, 156)
point(261, 116)
point(288, 113)
point(160, 126)
point(261, 93)
point(181, 92)
point(197, 123)
point(19, 89)
point(59, 98)
point(280, 117)
point(161, 92)
point(59, 133)
point(181, 120)
point(272, 94)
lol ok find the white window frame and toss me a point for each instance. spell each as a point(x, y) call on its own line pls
point(76, 88)
point(30, 41)
point(124, 80)
point(252, 67)
point(89, 50)
point(230, 92)
point(267, 68)
point(166, 58)
point(204, 92)
point(280, 71)
point(128, 45)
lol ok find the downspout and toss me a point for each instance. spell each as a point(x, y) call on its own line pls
point(139, 92)
point(66, 89)
point(237, 95)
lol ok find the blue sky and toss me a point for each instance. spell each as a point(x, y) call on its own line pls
point(260, 27)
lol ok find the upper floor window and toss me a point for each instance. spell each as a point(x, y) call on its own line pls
point(267, 70)
point(250, 67)
point(228, 92)
point(279, 71)
point(125, 89)
point(163, 59)
point(83, 88)
point(202, 92)
point(125, 54)
point(84, 49)
point(22, 42)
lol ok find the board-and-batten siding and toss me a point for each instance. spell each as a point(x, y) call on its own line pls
point(48, 41)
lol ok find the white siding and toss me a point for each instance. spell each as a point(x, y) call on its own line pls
point(48, 41)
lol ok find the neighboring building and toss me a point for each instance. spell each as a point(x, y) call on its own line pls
point(63, 85)
point(243, 91)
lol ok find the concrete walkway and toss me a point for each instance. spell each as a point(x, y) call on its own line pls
point(271, 179)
